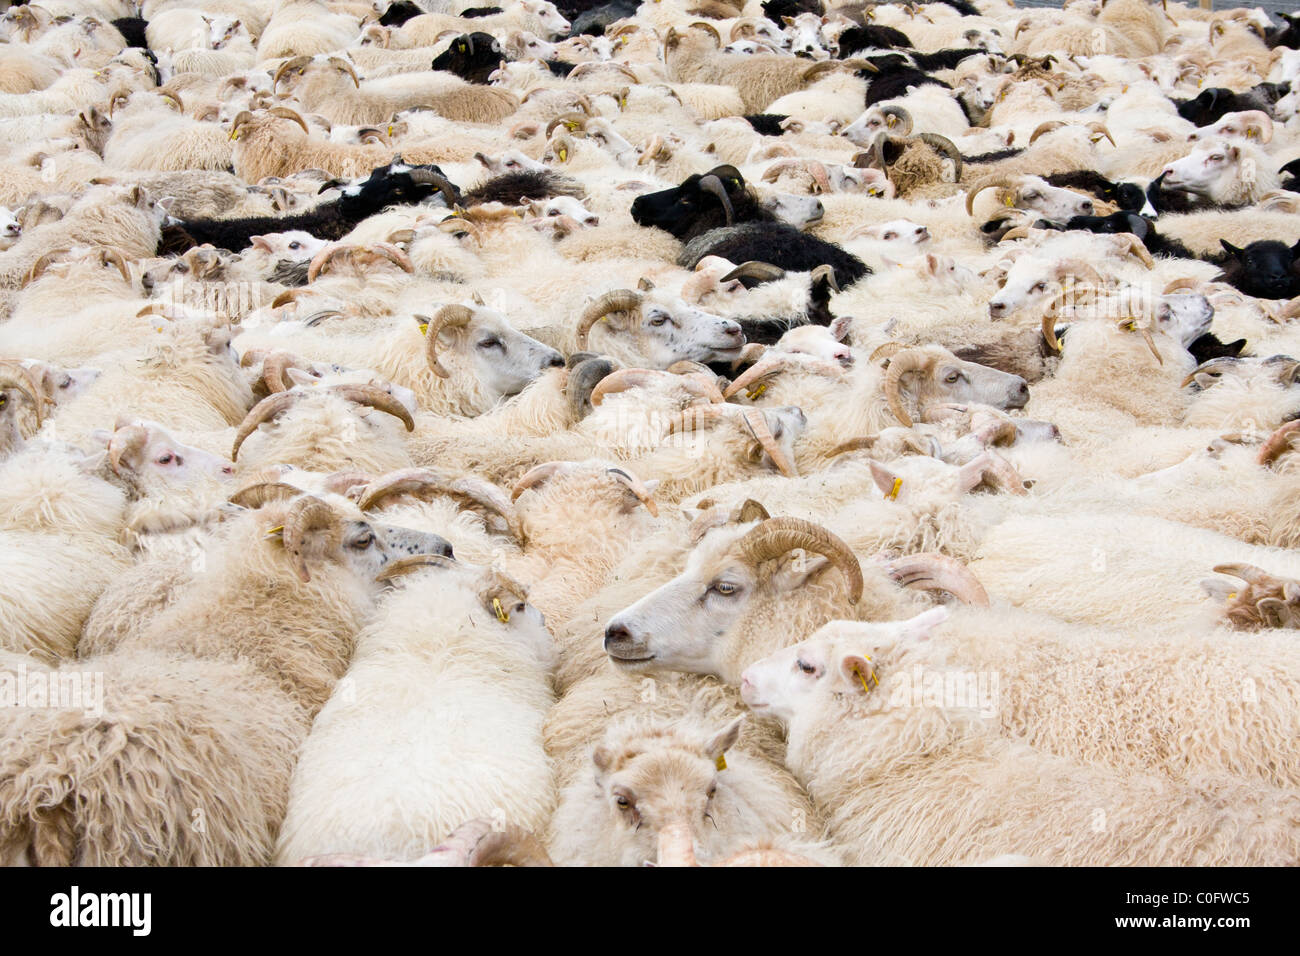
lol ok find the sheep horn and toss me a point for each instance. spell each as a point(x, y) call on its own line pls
point(1181, 285)
point(112, 255)
point(1214, 364)
point(899, 115)
point(535, 476)
point(932, 571)
point(484, 843)
point(126, 441)
point(1130, 325)
point(1099, 129)
point(776, 537)
point(338, 61)
point(430, 177)
point(1135, 247)
point(756, 422)
point(623, 380)
point(264, 411)
point(448, 317)
point(945, 146)
point(886, 351)
point(394, 255)
point(620, 300)
point(40, 265)
point(571, 121)
point(708, 28)
point(262, 493)
point(414, 562)
point(700, 416)
point(423, 482)
point(582, 381)
point(376, 398)
point(1043, 129)
point(636, 486)
point(1278, 444)
point(755, 269)
point(995, 182)
point(1250, 574)
point(323, 258)
point(306, 515)
point(274, 367)
point(285, 113)
point(712, 184)
point(285, 67)
point(908, 360)
point(864, 443)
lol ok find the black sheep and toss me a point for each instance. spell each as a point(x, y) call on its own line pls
point(1128, 196)
point(870, 37)
point(766, 124)
point(717, 214)
point(1289, 35)
point(1267, 269)
point(776, 10)
point(1210, 106)
point(893, 80)
point(132, 30)
point(594, 20)
point(471, 56)
point(514, 189)
point(1292, 169)
point(399, 12)
point(388, 185)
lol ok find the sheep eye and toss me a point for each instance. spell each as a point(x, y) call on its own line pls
point(363, 542)
point(553, 212)
point(295, 245)
point(725, 588)
point(623, 802)
point(953, 377)
point(659, 320)
point(165, 459)
point(806, 667)
point(182, 268)
point(491, 344)
point(1039, 287)
point(890, 236)
point(712, 791)
point(1029, 196)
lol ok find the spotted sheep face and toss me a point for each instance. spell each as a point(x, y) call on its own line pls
point(668, 330)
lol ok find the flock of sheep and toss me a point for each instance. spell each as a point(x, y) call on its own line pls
point(673, 432)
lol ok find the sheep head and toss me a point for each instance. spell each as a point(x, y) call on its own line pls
point(737, 578)
point(502, 359)
point(654, 329)
point(933, 375)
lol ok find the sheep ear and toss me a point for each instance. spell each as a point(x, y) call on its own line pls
point(259, 242)
point(603, 758)
point(858, 674)
point(1219, 589)
point(794, 570)
point(840, 326)
point(1295, 251)
point(1230, 249)
point(299, 377)
point(921, 627)
point(885, 480)
point(724, 739)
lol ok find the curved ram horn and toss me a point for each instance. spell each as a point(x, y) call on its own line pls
point(448, 317)
point(776, 537)
point(932, 571)
point(620, 300)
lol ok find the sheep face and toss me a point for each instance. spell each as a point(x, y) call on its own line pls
point(61, 385)
point(504, 360)
point(820, 341)
point(798, 211)
point(368, 548)
point(552, 23)
point(1183, 317)
point(1031, 282)
point(511, 161)
point(902, 233)
point(1052, 203)
point(10, 228)
point(685, 625)
point(841, 657)
point(1249, 124)
point(145, 454)
point(805, 32)
point(564, 206)
point(293, 246)
point(1268, 269)
point(943, 377)
point(659, 783)
point(1207, 170)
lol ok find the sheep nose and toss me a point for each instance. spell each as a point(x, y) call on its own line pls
point(616, 635)
point(732, 329)
point(1019, 394)
point(1086, 206)
point(147, 281)
point(997, 309)
point(555, 361)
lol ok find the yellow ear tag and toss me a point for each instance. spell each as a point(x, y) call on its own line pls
point(604, 318)
point(570, 125)
point(1125, 89)
point(891, 121)
point(759, 390)
point(622, 101)
point(875, 681)
point(893, 494)
point(234, 134)
point(424, 328)
point(1232, 596)
point(501, 614)
point(276, 530)
point(1250, 133)
point(564, 155)
point(721, 762)
point(390, 129)
point(1009, 203)
point(1129, 324)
